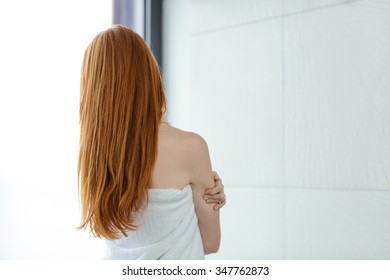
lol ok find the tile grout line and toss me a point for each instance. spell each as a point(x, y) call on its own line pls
point(277, 187)
point(283, 56)
point(198, 33)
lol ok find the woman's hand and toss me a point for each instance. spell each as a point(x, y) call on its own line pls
point(216, 194)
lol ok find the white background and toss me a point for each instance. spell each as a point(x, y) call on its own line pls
point(41, 50)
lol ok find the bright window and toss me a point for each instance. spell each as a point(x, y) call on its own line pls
point(41, 50)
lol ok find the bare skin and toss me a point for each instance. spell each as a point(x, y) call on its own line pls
point(167, 173)
point(216, 195)
point(183, 159)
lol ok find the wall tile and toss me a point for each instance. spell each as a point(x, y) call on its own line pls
point(210, 15)
point(337, 97)
point(251, 228)
point(337, 224)
point(236, 101)
point(294, 6)
point(213, 15)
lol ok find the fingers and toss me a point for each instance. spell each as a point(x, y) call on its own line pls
point(216, 176)
point(215, 199)
point(216, 195)
point(213, 191)
point(219, 200)
point(219, 205)
point(218, 185)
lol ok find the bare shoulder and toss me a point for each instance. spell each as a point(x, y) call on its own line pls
point(195, 157)
point(190, 142)
point(197, 148)
point(195, 140)
point(182, 158)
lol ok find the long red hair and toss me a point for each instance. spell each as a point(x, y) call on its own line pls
point(122, 101)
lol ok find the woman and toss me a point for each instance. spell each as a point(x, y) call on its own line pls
point(143, 183)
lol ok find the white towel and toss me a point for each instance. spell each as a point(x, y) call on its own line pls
point(168, 229)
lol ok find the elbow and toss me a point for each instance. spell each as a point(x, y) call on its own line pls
point(211, 248)
point(208, 251)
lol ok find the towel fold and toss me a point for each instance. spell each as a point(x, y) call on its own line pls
point(167, 229)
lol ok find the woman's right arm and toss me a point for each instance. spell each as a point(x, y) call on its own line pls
point(201, 177)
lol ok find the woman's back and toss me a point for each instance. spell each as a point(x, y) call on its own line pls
point(171, 169)
point(168, 225)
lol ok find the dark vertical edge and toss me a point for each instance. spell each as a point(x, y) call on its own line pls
point(153, 27)
point(156, 29)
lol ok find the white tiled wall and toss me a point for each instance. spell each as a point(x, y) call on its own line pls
point(226, 75)
point(249, 231)
point(210, 15)
point(293, 99)
point(337, 105)
point(296, 6)
point(337, 224)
